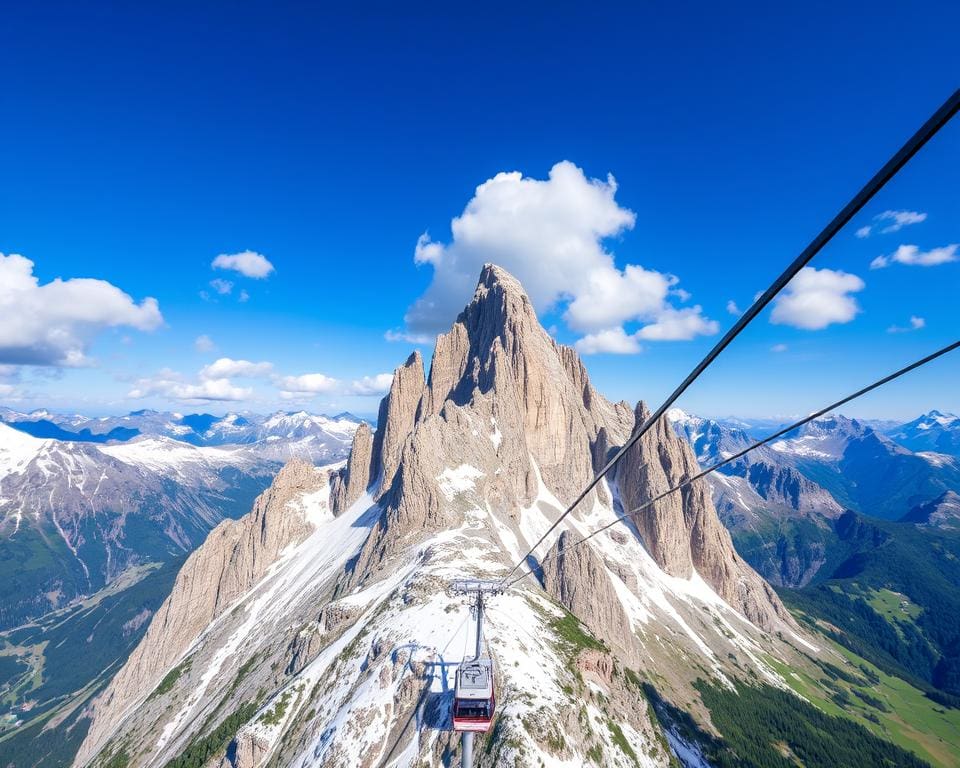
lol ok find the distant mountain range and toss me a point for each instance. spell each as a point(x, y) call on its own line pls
point(934, 431)
point(781, 501)
point(202, 429)
point(82, 499)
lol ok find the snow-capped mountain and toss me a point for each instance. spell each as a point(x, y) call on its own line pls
point(319, 630)
point(74, 515)
point(201, 429)
point(83, 498)
point(826, 438)
point(933, 432)
point(866, 470)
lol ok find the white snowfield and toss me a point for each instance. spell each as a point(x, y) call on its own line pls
point(17, 450)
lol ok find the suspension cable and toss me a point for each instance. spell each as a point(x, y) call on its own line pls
point(929, 129)
point(740, 454)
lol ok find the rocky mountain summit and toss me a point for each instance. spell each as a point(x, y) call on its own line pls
point(934, 431)
point(318, 630)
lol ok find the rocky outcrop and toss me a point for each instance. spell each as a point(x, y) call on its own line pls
point(247, 750)
point(682, 532)
point(575, 577)
point(942, 512)
point(787, 487)
point(497, 345)
point(398, 413)
point(350, 483)
point(234, 557)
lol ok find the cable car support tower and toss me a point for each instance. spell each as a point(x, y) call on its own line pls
point(476, 674)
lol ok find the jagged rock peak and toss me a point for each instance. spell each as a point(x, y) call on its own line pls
point(398, 414)
point(352, 481)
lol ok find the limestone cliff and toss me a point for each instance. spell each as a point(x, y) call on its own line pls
point(235, 556)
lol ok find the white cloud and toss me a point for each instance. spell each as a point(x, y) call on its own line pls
point(733, 309)
point(371, 385)
point(307, 384)
point(778, 348)
point(613, 341)
point(204, 343)
point(816, 298)
point(227, 368)
point(171, 385)
point(247, 263)
point(411, 338)
point(916, 323)
point(679, 325)
point(912, 256)
point(897, 221)
point(223, 287)
point(549, 234)
point(244, 296)
point(55, 323)
point(610, 297)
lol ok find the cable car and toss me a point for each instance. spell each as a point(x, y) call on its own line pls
point(473, 698)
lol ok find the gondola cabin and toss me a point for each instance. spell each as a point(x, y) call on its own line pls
point(474, 701)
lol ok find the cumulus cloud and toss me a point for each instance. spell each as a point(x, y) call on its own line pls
point(733, 309)
point(214, 382)
point(550, 234)
point(55, 323)
point(912, 256)
point(372, 385)
point(204, 343)
point(171, 385)
point(247, 263)
point(679, 325)
point(410, 338)
point(615, 341)
point(243, 297)
point(778, 348)
point(816, 298)
point(916, 323)
point(223, 287)
point(307, 384)
point(227, 368)
point(891, 221)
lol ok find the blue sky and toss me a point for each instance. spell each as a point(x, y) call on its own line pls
point(139, 143)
